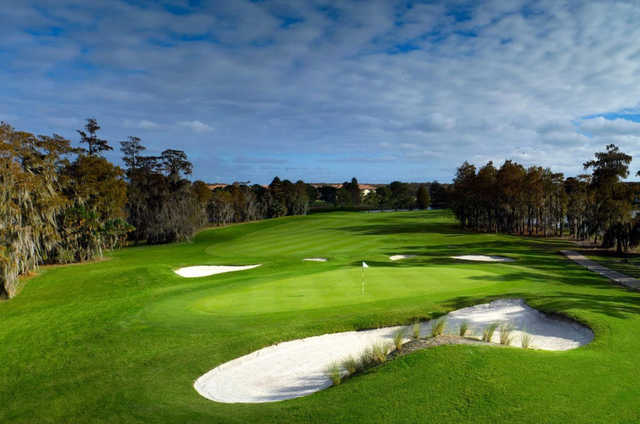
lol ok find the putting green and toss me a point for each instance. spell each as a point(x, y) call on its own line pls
point(123, 340)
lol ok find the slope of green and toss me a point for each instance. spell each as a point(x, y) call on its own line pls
point(122, 341)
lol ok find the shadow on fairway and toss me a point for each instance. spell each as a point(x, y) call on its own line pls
point(616, 306)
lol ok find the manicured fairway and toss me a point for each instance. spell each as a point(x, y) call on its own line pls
point(122, 341)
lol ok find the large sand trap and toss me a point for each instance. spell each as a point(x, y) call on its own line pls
point(315, 259)
point(297, 368)
point(483, 258)
point(398, 257)
point(205, 270)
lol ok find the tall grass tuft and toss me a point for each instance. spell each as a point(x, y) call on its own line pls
point(487, 333)
point(352, 365)
point(398, 338)
point(437, 328)
point(367, 358)
point(505, 334)
point(334, 373)
point(379, 353)
point(525, 340)
point(464, 327)
point(415, 330)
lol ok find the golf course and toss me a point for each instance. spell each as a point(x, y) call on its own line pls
point(123, 340)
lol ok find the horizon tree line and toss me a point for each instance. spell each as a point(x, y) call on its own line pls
point(61, 204)
point(513, 199)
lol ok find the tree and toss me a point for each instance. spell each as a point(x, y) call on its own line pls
point(89, 136)
point(613, 198)
point(464, 194)
point(510, 199)
point(349, 193)
point(354, 191)
point(94, 219)
point(328, 194)
point(175, 163)
point(278, 206)
point(161, 205)
point(30, 200)
point(384, 196)
point(422, 197)
point(438, 195)
point(132, 149)
point(401, 195)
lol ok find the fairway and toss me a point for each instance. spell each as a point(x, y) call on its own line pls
point(123, 340)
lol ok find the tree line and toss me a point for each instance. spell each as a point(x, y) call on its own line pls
point(537, 201)
point(241, 202)
point(61, 203)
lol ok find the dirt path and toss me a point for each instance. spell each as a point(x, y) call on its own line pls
point(615, 276)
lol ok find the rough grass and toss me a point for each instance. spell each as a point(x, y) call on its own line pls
point(487, 332)
point(398, 339)
point(352, 365)
point(525, 340)
point(505, 334)
point(415, 330)
point(122, 341)
point(334, 372)
point(463, 329)
point(438, 327)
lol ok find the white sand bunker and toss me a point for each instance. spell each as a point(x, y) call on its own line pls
point(297, 368)
point(483, 258)
point(398, 257)
point(205, 270)
point(315, 259)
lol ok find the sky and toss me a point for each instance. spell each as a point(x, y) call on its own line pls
point(323, 91)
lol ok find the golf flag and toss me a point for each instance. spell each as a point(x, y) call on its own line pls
point(364, 265)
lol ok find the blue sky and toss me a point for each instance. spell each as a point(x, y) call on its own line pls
point(324, 91)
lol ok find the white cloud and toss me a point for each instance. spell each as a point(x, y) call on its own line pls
point(607, 127)
point(141, 124)
point(196, 126)
point(502, 84)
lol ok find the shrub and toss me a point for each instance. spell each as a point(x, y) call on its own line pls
point(379, 353)
point(437, 328)
point(415, 330)
point(398, 338)
point(334, 373)
point(352, 365)
point(366, 358)
point(487, 333)
point(525, 340)
point(464, 327)
point(505, 334)
point(372, 356)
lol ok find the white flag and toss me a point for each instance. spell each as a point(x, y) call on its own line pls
point(364, 265)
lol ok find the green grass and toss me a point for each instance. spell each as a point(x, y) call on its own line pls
point(122, 341)
point(629, 264)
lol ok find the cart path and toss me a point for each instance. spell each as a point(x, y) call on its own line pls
point(615, 276)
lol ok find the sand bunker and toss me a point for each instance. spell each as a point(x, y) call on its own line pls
point(315, 259)
point(398, 257)
point(205, 270)
point(483, 258)
point(297, 368)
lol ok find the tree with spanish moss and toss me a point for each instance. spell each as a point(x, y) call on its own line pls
point(89, 136)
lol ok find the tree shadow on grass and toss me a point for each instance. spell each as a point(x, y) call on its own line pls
point(538, 255)
point(618, 306)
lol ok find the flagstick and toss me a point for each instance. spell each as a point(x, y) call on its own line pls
point(362, 280)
